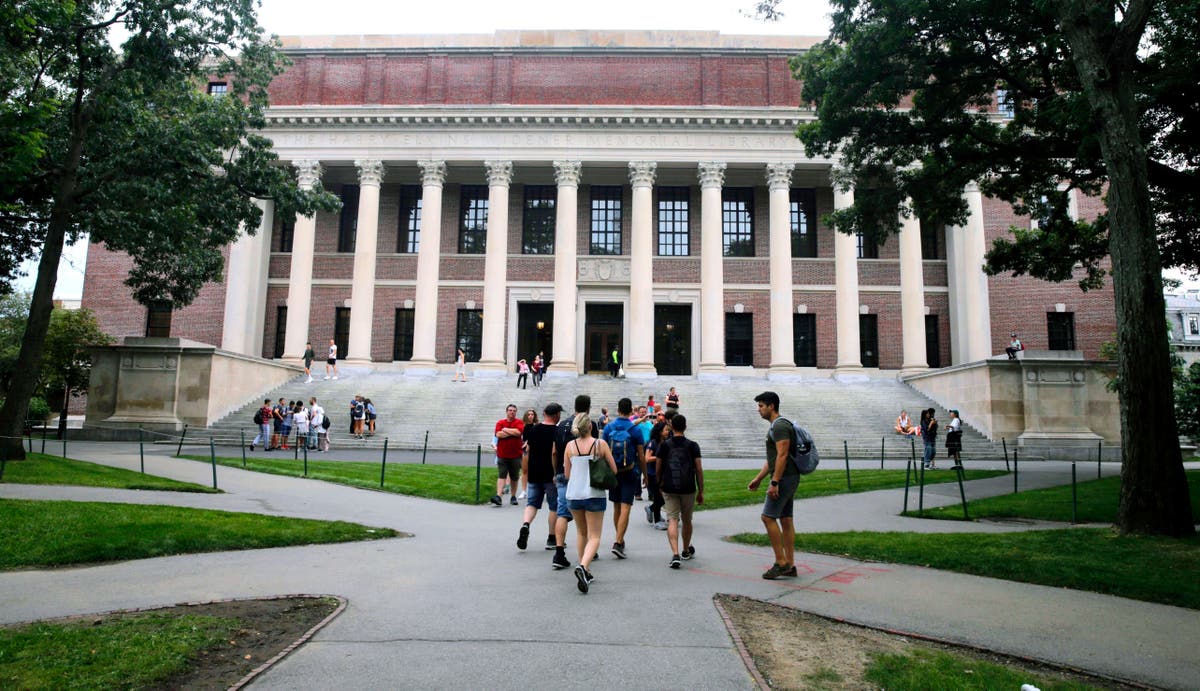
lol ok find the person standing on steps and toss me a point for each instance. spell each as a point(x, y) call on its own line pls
point(614, 366)
point(587, 503)
point(276, 423)
point(954, 439)
point(460, 366)
point(673, 400)
point(565, 434)
point(785, 478)
point(331, 360)
point(539, 452)
point(308, 356)
point(522, 374)
point(508, 433)
point(681, 477)
point(263, 419)
point(628, 450)
point(929, 432)
point(301, 418)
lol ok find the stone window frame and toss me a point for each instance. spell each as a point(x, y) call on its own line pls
point(737, 221)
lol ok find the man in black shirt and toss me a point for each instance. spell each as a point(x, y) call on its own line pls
point(539, 455)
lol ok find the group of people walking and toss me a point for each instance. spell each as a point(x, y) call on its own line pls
point(276, 424)
point(576, 468)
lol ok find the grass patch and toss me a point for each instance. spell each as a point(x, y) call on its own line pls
point(126, 653)
point(933, 669)
point(452, 483)
point(1154, 569)
point(43, 469)
point(56, 533)
point(1097, 503)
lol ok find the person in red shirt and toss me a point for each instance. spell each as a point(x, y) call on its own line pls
point(509, 448)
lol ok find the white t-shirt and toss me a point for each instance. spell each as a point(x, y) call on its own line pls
point(301, 421)
point(332, 351)
point(955, 424)
point(316, 417)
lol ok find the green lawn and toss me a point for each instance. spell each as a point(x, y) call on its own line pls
point(1097, 503)
point(921, 670)
point(119, 653)
point(1143, 568)
point(56, 533)
point(43, 469)
point(722, 488)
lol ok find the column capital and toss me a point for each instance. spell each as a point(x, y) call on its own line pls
point(779, 175)
point(567, 173)
point(971, 187)
point(642, 173)
point(712, 174)
point(370, 172)
point(308, 172)
point(499, 173)
point(433, 173)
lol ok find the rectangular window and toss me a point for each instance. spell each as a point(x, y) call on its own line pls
point(158, 319)
point(537, 227)
point(739, 339)
point(933, 344)
point(280, 330)
point(1193, 325)
point(1004, 104)
point(802, 215)
point(1060, 328)
point(402, 342)
point(673, 222)
point(218, 88)
point(287, 234)
point(929, 240)
point(737, 221)
point(348, 224)
point(868, 339)
point(341, 332)
point(866, 248)
point(469, 334)
point(804, 336)
point(408, 232)
point(472, 220)
point(606, 220)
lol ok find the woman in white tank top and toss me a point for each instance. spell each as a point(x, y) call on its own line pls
point(587, 503)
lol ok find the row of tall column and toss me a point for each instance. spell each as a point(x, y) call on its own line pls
point(968, 289)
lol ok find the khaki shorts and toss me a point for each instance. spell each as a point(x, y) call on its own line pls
point(678, 506)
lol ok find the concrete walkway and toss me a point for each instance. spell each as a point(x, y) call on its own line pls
point(457, 605)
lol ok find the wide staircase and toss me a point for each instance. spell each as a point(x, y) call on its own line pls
point(722, 417)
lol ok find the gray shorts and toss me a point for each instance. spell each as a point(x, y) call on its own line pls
point(509, 468)
point(782, 507)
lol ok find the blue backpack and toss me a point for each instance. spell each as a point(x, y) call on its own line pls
point(620, 442)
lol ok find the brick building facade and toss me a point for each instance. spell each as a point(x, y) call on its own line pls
point(570, 191)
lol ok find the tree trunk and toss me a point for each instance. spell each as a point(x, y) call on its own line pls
point(62, 415)
point(1154, 495)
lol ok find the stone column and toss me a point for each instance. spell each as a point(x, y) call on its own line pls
point(712, 273)
point(779, 183)
point(566, 223)
point(495, 270)
point(299, 300)
point(245, 286)
point(425, 307)
point(639, 364)
point(958, 319)
point(912, 296)
point(362, 291)
point(845, 258)
point(975, 309)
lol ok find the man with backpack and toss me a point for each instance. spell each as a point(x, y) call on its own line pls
point(681, 478)
point(262, 418)
point(628, 450)
point(785, 478)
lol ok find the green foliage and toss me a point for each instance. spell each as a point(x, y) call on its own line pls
point(923, 669)
point(66, 361)
point(57, 533)
point(39, 409)
point(14, 310)
point(118, 653)
point(44, 469)
point(1155, 569)
point(1097, 502)
point(1187, 403)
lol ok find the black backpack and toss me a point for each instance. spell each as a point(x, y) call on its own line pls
point(679, 468)
point(258, 418)
point(325, 424)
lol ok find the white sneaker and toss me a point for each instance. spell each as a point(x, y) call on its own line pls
point(327, 376)
point(308, 381)
point(521, 495)
point(335, 376)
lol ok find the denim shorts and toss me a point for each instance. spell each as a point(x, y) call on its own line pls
point(537, 490)
point(629, 483)
point(782, 507)
point(596, 505)
point(564, 508)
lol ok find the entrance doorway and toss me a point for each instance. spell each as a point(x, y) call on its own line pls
point(673, 339)
point(602, 333)
point(535, 330)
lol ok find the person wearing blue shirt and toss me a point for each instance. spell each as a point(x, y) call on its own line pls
point(628, 447)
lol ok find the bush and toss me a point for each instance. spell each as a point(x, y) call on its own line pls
point(39, 409)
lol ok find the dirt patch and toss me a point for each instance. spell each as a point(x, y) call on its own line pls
point(797, 650)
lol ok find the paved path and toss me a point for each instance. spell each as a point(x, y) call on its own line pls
point(458, 605)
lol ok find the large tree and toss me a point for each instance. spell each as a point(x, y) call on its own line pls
point(1103, 98)
point(106, 128)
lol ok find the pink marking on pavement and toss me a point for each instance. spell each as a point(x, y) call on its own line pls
point(832, 591)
